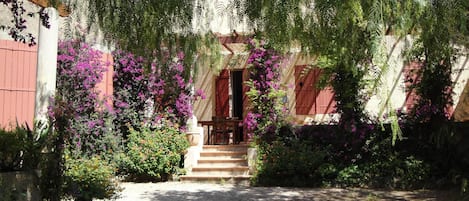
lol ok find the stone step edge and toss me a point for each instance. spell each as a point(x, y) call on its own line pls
point(224, 152)
point(217, 168)
point(221, 160)
point(216, 165)
point(243, 180)
point(215, 177)
point(225, 146)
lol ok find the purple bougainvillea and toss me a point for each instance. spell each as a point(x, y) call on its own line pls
point(143, 95)
point(265, 117)
point(165, 84)
point(129, 90)
point(175, 94)
point(89, 122)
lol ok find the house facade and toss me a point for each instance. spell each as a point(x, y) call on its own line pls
point(305, 102)
point(223, 84)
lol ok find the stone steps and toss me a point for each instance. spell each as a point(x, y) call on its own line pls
point(225, 147)
point(221, 164)
point(242, 180)
point(223, 154)
point(221, 171)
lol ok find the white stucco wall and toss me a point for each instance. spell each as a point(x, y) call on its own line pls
point(32, 23)
point(390, 92)
point(217, 17)
point(46, 66)
point(460, 76)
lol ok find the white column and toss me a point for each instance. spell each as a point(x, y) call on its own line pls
point(46, 65)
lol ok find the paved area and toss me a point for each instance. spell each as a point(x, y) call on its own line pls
point(177, 191)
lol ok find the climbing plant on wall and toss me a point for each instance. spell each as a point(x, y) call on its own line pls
point(340, 33)
point(266, 110)
point(435, 49)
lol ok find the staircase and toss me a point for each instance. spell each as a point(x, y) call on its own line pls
point(221, 164)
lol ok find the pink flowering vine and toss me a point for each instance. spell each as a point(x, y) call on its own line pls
point(79, 69)
point(166, 82)
point(265, 116)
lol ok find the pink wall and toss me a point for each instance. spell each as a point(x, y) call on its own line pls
point(18, 82)
point(106, 85)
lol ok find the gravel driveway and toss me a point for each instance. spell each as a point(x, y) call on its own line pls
point(175, 191)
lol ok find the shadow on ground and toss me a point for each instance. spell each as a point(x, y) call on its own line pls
point(276, 193)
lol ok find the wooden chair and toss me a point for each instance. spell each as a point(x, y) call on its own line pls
point(236, 128)
point(221, 131)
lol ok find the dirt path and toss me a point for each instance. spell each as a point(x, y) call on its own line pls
point(175, 191)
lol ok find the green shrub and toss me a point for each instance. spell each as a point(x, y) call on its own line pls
point(397, 172)
point(86, 179)
point(6, 191)
point(10, 150)
point(399, 166)
point(327, 172)
point(351, 176)
point(314, 156)
point(295, 164)
point(154, 153)
point(19, 149)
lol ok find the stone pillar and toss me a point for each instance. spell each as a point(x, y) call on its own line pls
point(195, 136)
point(252, 160)
point(46, 65)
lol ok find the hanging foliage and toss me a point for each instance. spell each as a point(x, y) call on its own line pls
point(148, 27)
point(436, 49)
point(347, 37)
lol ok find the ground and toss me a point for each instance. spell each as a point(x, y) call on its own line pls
point(177, 191)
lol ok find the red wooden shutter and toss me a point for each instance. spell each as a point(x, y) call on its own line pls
point(309, 99)
point(325, 103)
point(305, 91)
point(411, 77)
point(222, 106)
